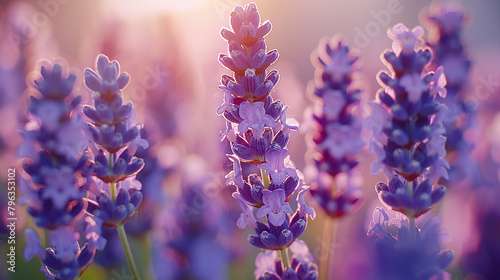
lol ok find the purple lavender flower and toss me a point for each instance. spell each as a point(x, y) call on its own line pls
point(116, 195)
point(65, 259)
point(337, 131)
point(408, 142)
point(274, 207)
point(406, 135)
point(53, 194)
point(111, 128)
point(397, 257)
point(59, 176)
point(396, 196)
point(268, 266)
point(447, 21)
point(258, 131)
point(193, 232)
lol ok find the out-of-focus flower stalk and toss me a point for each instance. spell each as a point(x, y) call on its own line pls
point(336, 140)
point(446, 21)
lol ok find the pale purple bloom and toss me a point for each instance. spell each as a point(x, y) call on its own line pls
point(437, 85)
point(108, 82)
point(50, 113)
point(300, 251)
point(235, 176)
point(377, 121)
point(437, 139)
point(265, 261)
point(275, 207)
point(404, 39)
point(303, 207)
point(245, 25)
point(61, 187)
point(439, 169)
point(334, 102)
point(343, 140)
point(378, 166)
point(414, 85)
point(289, 124)
point(254, 117)
point(33, 245)
point(227, 103)
point(93, 233)
point(246, 217)
point(64, 240)
point(278, 165)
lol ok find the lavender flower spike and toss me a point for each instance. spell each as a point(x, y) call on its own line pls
point(336, 133)
point(408, 142)
point(116, 196)
point(59, 178)
point(450, 55)
point(258, 131)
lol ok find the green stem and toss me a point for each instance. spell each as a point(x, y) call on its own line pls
point(411, 217)
point(325, 249)
point(284, 258)
point(265, 178)
point(128, 252)
point(112, 186)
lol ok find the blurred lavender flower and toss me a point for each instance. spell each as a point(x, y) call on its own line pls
point(336, 132)
point(258, 130)
point(53, 194)
point(65, 259)
point(483, 245)
point(268, 266)
point(447, 21)
point(397, 257)
point(59, 176)
point(408, 143)
point(396, 196)
point(192, 234)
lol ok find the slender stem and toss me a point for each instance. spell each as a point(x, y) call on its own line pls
point(128, 252)
point(112, 186)
point(410, 214)
point(327, 250)
point(284, 258)
point(265, 178)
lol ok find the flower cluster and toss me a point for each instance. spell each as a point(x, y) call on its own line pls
point(110, 123)
point(337, 130)
point(258, 131)
point(269, 266)
point(447, 21)
point(408, 142)
point(59, 176)
point(406, 122)
point(399, 257)
point(193, 232)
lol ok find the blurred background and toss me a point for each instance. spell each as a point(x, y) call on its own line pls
point(170, 49)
